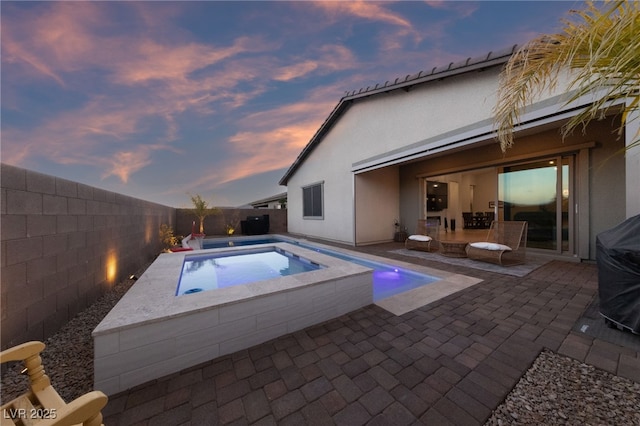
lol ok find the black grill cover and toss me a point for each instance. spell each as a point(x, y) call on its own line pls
point(256, 225)
point(618, 257)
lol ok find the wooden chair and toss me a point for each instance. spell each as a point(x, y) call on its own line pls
point(505, 245)
point(41, 405)
point(426, 233)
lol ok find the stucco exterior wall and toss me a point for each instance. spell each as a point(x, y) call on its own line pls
point(397, 119)
point(331, 165)
point(376, 126)
point(63, 245)
point(377, 205)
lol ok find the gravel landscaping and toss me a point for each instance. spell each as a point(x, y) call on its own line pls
point(555, 390)
point(68, 356)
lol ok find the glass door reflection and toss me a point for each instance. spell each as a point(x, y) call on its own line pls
point(538, 192)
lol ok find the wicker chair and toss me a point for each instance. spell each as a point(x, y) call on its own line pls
point(41, 405)
point(426, 233)
point(505, 245)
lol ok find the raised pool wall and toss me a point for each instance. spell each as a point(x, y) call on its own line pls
point(63, 244)
point(151, 332)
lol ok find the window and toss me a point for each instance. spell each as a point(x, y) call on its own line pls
point(312, 201)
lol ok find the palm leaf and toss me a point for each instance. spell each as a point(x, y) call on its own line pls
point(601, 53)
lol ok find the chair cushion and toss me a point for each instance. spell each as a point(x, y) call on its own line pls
point(490, 246)
point(420, 237)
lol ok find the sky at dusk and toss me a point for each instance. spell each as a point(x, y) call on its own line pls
point(161, 99)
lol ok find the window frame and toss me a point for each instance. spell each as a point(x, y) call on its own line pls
point(319, 194)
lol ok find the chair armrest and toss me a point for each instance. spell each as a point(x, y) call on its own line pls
point(78, 411)
point(21, 352)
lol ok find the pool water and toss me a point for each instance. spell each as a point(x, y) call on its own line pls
point(219, 270)
point(388, 280)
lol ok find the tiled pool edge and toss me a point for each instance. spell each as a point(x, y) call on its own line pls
point(138, 342)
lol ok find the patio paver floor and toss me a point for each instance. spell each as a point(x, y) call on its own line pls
point(450, 362)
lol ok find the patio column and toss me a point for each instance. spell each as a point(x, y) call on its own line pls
point(632, 156)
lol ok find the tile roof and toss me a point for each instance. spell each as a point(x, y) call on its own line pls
point(491, 59)
point(276, 197)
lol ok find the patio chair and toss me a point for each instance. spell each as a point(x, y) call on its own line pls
point(506, 244)
point(426, 232)
point(41, 405)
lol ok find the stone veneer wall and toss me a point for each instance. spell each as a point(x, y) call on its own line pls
point(63, 244)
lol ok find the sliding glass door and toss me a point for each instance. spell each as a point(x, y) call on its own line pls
point(540, 193)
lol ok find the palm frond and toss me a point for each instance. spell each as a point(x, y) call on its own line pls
point(602, 52)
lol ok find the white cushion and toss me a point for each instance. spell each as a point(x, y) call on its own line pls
point(490, 246)
point(420, 237)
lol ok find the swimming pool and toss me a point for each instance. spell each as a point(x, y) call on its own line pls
point(151, 332)
point(215, 271)
point(388, 280)
point(237, 242)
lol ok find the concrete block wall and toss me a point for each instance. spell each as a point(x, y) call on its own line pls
point(214, 225)
point(63, 244)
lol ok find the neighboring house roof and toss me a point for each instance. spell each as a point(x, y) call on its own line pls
point(491, 59)
point(273, 198)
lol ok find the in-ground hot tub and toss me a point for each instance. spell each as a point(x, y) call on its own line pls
point(153, 332)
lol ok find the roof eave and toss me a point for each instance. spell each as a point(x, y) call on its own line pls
point(492, 59)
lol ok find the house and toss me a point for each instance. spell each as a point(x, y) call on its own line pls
point(379, 153)
point(278, 201)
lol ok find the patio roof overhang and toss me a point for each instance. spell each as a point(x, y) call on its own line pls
point(547, 114)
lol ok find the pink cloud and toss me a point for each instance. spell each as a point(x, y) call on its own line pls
point(102, 132)
point(462, 8)
point(373, 11)
point(294, 71)
point(125, 163)
point(150, 60)
point(54, 39)
point(272, 139)
point(327, 58)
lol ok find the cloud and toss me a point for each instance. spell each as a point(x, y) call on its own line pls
point(294, 71)
point(141, 82)
point(124, 163)
point(273, 138)
point(134, 86)
point(150, 60)
point(462, 8)
point(53, 39)
point(372, 11)
point(327, 59)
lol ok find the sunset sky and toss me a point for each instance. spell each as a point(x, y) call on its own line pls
point(161, 99)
